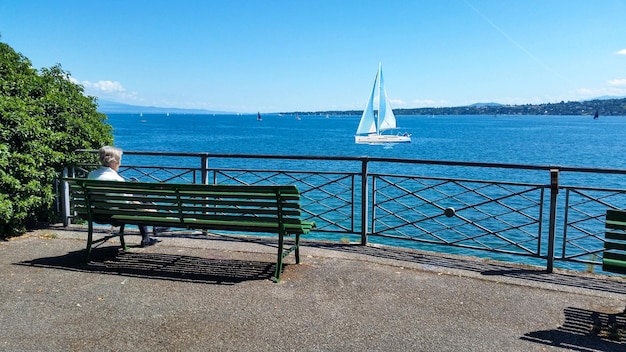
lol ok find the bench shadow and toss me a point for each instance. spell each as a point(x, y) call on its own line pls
point(585, 330)
point(175, 267)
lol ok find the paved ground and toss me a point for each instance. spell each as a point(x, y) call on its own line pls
point(214, 294)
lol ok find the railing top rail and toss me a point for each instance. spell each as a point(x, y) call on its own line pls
point(379, 159)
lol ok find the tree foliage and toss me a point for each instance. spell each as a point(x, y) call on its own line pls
point(44, 118)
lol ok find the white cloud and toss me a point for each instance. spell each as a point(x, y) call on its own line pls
point(104, 86)
point(429, 103)
point(621, 52)
point(100, 86)
point(108, 90)
point(615, 90)
point(618, 82)
point(397, 102)
point(585, 91)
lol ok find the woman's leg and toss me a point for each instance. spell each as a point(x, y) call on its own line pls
point(146, 240)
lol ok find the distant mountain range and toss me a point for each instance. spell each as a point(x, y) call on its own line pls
point(110, 107)
point(478, 105)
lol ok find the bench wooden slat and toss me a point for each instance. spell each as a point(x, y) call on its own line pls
point(192, 189)
point(616, 215)
point(616, 225)
point(614, 256)
point(239, 208)
point(216, 224)
point(615, 246)
point(614, 262)
point(126, 192)
point(207, 220)
point(615, 235)
point(171, 207)
point(614, 268)
point(268, 193)
point(172, 210)
point(214, 201)
point(137, 217)
point(236, 203)
point(244, 211)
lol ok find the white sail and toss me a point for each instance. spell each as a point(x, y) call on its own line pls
point(371, 125)
point(368, 119)
point(386, 118)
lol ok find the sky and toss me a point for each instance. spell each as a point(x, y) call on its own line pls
point(319, 55)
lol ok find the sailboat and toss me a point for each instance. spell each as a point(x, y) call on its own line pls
point(373, 123)
point(596, 115)
point(258, 116)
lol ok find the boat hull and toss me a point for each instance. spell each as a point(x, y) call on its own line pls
point(382, 138)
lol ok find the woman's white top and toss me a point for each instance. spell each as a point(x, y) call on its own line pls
point(105, 174)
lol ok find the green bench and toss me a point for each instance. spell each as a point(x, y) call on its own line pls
point(238, 208)
point(614, 257)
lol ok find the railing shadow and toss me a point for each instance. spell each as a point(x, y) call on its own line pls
point(585, 330)
point(483, 267)
point(579, 281)
point(111, 260)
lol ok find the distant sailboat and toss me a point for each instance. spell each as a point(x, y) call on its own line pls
point(258, 117)
point(298, 117)
point(596, 116)
point(372, 124)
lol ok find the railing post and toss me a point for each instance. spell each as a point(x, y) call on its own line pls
point(65, 195)
point(554, 191)
point(364, 201)
point(204, 166)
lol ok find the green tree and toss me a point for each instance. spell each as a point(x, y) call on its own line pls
point(44, 118)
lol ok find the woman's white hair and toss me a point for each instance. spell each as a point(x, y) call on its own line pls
point(109, 155)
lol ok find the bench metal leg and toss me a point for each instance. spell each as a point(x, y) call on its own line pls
point(282, 253)
point(89, 243)
point(297, 254)
point(122, 241)
point(279, 261)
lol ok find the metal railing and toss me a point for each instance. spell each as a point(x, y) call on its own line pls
point(522, 213)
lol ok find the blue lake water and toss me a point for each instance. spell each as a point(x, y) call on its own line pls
point(576, 141)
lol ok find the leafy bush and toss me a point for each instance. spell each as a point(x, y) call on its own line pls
point(44, 118)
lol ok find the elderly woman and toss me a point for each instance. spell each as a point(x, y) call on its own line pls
point(111, 158)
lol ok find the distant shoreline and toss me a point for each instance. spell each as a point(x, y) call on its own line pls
point(604, 107)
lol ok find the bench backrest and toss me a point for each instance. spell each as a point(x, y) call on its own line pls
point(168, 201)
point(614, 257)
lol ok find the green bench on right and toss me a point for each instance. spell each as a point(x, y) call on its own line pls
point(614, 257)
